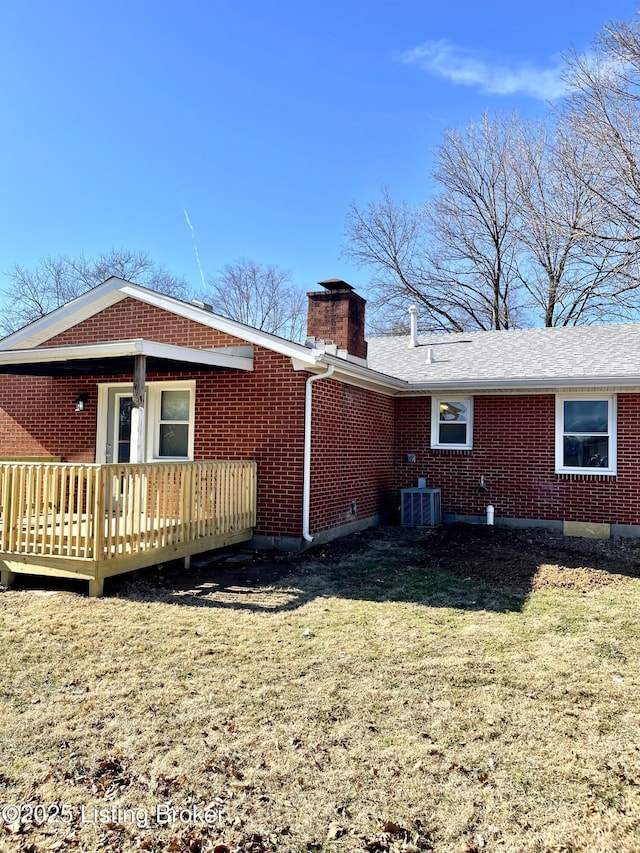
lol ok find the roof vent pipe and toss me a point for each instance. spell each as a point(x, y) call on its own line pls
point(413, 317)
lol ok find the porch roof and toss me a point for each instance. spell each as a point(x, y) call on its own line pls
point(113, 356)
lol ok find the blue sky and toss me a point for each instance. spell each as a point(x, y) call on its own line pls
point(261, 121)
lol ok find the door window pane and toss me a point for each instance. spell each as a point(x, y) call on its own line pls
point(124, 429)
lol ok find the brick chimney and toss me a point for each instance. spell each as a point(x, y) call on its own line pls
point(336, 315)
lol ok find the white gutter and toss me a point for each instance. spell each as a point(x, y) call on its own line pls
point(352, 373)
point(306, 467)
point(382, 383)
point(540, 385)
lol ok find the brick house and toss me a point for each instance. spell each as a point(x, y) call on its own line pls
point(542, 424)
point(323, 446)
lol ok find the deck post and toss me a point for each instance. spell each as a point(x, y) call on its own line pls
point(96, 587)
point(137, 412)
point(6, 578)
point(99, 515)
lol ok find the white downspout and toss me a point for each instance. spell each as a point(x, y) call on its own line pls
point(306, 467)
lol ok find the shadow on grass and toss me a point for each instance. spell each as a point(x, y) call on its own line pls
point(461, 566)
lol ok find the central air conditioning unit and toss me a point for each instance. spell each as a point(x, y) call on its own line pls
point(420, 507)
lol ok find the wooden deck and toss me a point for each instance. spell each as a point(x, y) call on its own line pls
point(94, 521)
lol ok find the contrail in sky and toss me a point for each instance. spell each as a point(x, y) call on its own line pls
point(195, 245)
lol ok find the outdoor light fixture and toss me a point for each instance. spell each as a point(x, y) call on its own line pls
point(81, 402)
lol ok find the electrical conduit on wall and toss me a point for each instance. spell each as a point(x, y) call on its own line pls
point(306, 481)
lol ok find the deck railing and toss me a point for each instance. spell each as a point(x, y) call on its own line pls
point(106, 512)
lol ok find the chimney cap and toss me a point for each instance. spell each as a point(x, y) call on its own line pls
point(335, 284)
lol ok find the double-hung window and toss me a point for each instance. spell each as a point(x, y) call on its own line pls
point(586, 434)
point(170, 422)
point(452, 423)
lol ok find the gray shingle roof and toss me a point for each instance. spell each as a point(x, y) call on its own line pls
point(522, 357)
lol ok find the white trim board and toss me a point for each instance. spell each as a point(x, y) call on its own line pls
point(114, 290)
point(115, 349)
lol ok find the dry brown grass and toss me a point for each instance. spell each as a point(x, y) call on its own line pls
point(383, 695)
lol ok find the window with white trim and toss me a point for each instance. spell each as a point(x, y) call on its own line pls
point(452, 423)
point(170, 420)
point(586, 434)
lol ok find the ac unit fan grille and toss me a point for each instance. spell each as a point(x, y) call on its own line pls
point(420, 507)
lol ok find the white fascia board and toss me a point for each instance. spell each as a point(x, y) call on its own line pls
point(69, 314)
point(114, 349)
point(532, 385)
point(215, 321)
point(391, 386)
point(312, 362)
point(114, 290)
point(214, 358)
point(350, 373)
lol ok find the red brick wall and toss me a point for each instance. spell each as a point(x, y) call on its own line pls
point(132, 319)
point(514, 449)
point(257, 415)
point(352, 454)
point(37, 418)
point(239, 415)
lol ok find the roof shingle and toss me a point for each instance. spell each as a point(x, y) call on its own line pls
point(576, 354)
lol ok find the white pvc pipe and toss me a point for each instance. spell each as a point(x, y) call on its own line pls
point(306, 466)
point(490, 513)
point(413, 319)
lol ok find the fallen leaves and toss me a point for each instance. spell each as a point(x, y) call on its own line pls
point(392, 837)
point(329, 726)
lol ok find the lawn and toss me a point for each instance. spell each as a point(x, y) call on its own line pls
point(466, 689)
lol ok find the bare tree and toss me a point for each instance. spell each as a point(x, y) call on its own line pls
point(570, 277)
point(391, 239)
point(474, 221)
point(519, 233)
point(603, 109)
point(34, 292)
point(456, 255)
point(260, 296)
